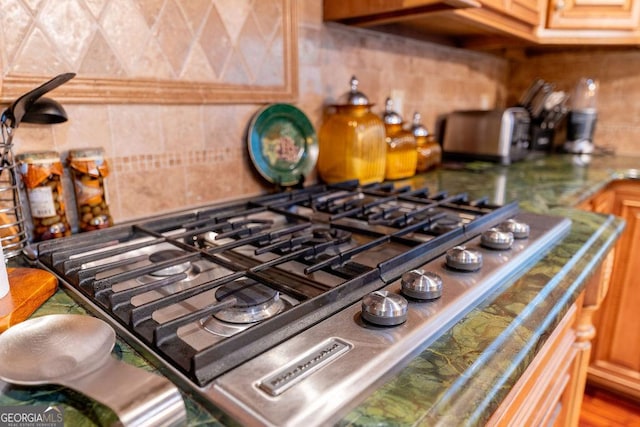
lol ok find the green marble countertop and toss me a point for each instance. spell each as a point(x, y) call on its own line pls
point(462, 377)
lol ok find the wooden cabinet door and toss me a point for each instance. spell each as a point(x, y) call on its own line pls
point(615, 361)
point(600, 203)
point(525, 10)
point(593, 14)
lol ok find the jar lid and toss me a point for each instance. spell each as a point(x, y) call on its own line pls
point(38, 157)
point(354, 96)
point(93, 153)
point(417, 128)
point(390, 117)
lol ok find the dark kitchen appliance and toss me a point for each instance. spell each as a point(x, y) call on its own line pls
point(271, 307)
point(582, 118)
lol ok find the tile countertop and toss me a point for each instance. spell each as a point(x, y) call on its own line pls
point(465, 374)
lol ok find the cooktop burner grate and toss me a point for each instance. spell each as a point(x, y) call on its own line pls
point(170, 283)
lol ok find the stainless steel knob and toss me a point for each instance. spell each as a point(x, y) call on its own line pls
point(421, 285)
point(384, 308)
point(494, 238)
point(520, 230)
point(461, 258)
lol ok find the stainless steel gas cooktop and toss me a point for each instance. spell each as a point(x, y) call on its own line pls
point(285, 309)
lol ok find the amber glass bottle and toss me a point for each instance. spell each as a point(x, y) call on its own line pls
point(352, 141)
point(402, 155)
point(429, 151)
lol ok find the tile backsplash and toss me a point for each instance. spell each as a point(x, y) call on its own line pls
point(218, 41)
point(168, 157)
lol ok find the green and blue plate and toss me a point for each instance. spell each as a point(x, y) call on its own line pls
point(282, 143)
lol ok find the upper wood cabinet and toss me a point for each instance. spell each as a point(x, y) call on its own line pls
point(594, 14)
point(489, 24)
point(366, 12)
point(465, 23)
point(590, 22)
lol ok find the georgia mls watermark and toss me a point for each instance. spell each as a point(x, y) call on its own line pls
point(31, 416)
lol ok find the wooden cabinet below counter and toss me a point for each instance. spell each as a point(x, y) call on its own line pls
point(615, 360)
point(550, 391)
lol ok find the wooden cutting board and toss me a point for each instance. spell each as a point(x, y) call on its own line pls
point(29, 288)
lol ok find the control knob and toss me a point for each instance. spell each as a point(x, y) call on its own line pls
point(461, 258)
point(520, 230)
point(421, 285)
point(384, 308)
point(494, 238)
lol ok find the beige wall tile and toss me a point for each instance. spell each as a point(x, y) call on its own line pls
point(195, 12)
point(28, 137)
point(88, 126)
point(37, 57)
point(127, 31)
point(217, 180)
point(225, 126)
point(182, 127)
point(136, 129)
point(174, 36)
point(74, 38)
point(148, 192)
point(16, 17)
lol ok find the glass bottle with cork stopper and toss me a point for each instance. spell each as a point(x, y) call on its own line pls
point(402, 155)
point(352, 141)
point(88, 170)
point(429, 151)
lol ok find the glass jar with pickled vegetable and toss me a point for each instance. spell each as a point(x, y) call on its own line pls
point(402, 155)
point(351, 141)
point(88, 171)
point(429, 151)
point(41, 174)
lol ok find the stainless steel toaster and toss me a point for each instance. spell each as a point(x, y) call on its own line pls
point(500, 135)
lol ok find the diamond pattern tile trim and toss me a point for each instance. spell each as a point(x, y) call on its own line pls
point(212, 41)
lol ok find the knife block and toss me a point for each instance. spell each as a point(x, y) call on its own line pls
point(29, 288)
point(541, 139)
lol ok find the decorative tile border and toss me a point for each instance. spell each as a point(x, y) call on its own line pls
point(147, 162)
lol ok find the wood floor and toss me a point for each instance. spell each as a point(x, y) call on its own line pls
point(603, 409)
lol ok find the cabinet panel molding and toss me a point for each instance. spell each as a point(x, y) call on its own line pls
point(594, 14)
point(615, 359)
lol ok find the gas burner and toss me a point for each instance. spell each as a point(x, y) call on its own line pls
point(271, 288)
point(254, 302)
point(444, 225)
point(166, 255)
point(326, 234)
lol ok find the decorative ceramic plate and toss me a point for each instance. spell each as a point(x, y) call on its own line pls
point(282, 144)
